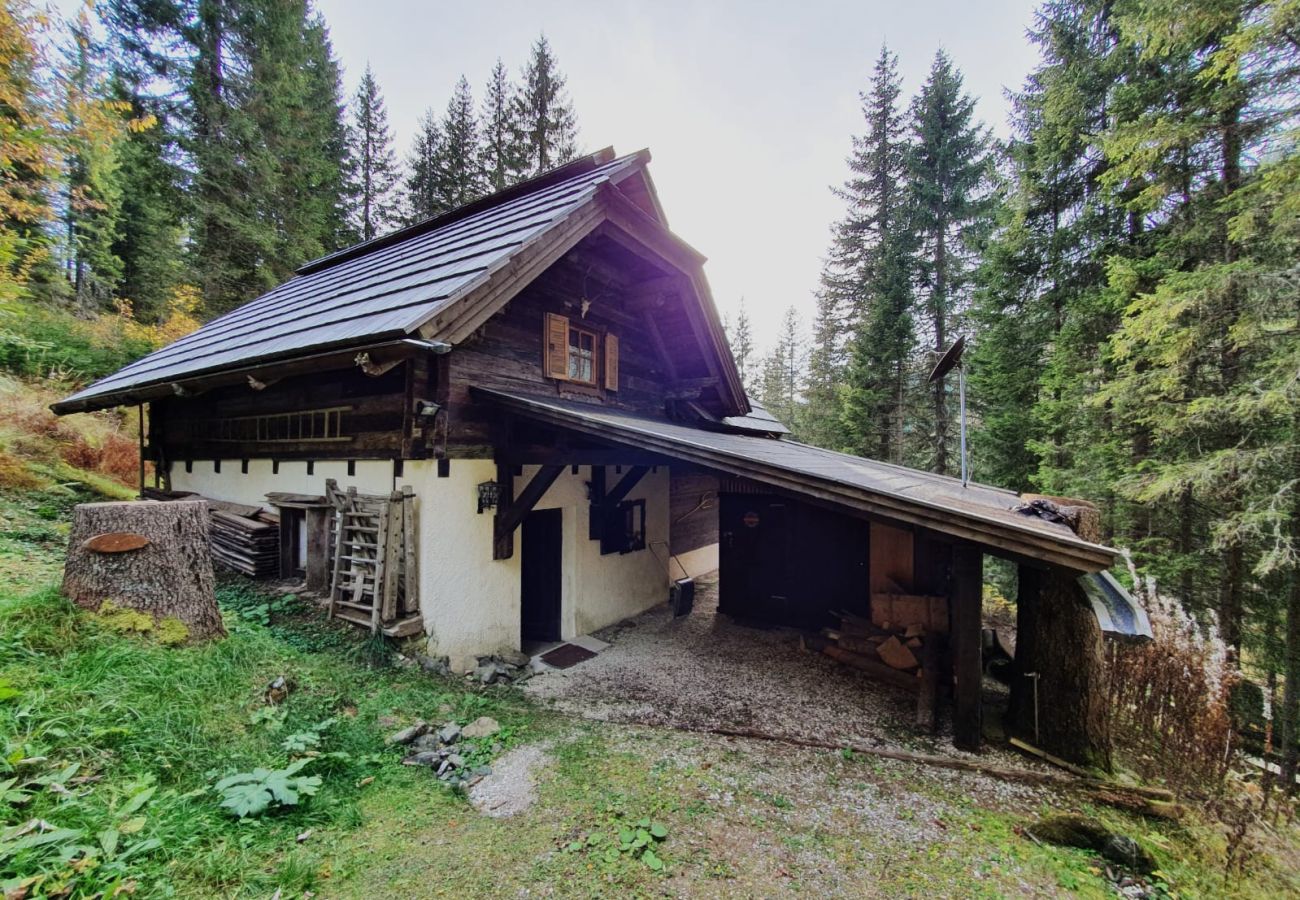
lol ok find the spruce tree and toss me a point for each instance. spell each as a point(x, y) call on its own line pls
point(423, 175)
point(741, 340)
point(372, 163)
point(948, 167)
point(545, 115)
point(460, 173)
point(874, 282)
point(502, 158)
point(780, 379)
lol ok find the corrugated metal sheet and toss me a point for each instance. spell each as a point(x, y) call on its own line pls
point(387, 292)
point(975, 512)
point(759, 420)
point(1118, 614)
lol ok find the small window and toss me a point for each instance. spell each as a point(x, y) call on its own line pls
point(582, 355)
point(624, 530)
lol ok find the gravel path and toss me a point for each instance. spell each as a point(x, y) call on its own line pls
point(706, 671)
point(512, 786)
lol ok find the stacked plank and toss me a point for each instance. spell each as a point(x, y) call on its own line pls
point(248, 544)
point(899, 654)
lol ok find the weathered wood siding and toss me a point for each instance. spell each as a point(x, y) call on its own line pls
point(371, 420)
point(693, 511)
point(507, 354)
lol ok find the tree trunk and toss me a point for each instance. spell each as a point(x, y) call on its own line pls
point(1290, 736)
point(151, 557)
point(1059, 695)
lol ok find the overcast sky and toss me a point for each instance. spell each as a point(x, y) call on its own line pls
point(747, 107)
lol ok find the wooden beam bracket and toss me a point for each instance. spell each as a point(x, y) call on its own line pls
point(511, 510)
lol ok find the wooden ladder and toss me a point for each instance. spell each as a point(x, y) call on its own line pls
point(375, 581)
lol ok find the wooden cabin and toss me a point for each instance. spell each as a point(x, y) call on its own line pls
point(539, 384)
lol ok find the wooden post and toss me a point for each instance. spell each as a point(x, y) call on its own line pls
point(140, 431)
point(320, 527)
point(968, 665)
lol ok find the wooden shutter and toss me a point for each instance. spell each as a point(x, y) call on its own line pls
point(555, 356)
point(611, 362)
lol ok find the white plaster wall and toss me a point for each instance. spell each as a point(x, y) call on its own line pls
point(697, 562)
point(470, 602)
point(374, 476)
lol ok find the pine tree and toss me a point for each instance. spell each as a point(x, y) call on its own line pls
point(780, 379)
point(948, 167)
point(545, 115)
point(423, 176)
point(871, 287)
point(372, 163)
point(460, 173)
point(502, 159)
point(28, 147)
point(93, 127)
point(741, 340)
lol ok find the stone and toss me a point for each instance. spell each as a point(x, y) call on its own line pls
point(428, 758)
point(408, 734)
point(462, 663)
point(486, 673)
point(456, 760)
point(515, 658)
point(449, 733)
point(425, 742)
point(1125, 851)
point(434, 666)
point(444, 767)
point(483, 726)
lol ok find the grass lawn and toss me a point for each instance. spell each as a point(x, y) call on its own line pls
point(112, 745)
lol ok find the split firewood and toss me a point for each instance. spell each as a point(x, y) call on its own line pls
point(896, 655)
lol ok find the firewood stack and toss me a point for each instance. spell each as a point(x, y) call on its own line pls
point(902, 654)
point(247, 544)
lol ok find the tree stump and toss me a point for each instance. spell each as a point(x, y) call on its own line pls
point(147, 556)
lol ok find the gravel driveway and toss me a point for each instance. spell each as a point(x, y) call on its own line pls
point(706, 671)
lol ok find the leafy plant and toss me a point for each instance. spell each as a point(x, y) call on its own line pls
point(634, 841)
point(253, 793)
point(308, 739)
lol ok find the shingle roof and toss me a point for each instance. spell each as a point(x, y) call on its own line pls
point(383, 289)
point(758, 420)
point(978, 513)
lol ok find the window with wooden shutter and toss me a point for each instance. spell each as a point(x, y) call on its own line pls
point(611, 362)
point(556, 357)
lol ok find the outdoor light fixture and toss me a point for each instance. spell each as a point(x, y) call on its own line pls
point(489, 492)
point(427, 409)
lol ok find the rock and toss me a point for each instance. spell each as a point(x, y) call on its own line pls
point(425, 742)
point(1125, 851)
point(1073, 830)
point(444, 768)
point(449, 733)
point(456, 761)
point(428, 758)
point(895, 654)
point(434, 666)
point(515, 658)
point(278, 690)
point(483, 726)
point(486, 673)
point(462, 663)
point(408, 734)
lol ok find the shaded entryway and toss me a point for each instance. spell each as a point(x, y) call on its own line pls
point(541, 565)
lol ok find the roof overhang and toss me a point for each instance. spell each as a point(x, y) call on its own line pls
point(1000, 533)
point(398, 348)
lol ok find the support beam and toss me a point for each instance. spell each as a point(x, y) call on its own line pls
point(609, 500)
point(968, 665)
point(510, 514)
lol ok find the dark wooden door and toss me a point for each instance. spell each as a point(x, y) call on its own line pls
point(753, 556)
point(540, 567)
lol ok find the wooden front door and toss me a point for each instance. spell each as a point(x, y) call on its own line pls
point(540, 567)
point(753, 557)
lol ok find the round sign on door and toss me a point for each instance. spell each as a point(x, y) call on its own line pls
point(751, 519)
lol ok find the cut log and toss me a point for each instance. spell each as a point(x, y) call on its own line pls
point(873, 667)
point(169, 577)
point(896, 655)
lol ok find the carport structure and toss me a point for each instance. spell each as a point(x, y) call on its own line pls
point(797, 524)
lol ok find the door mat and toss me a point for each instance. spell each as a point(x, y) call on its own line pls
point(566, 655)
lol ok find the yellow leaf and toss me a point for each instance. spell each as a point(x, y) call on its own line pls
point(131, 826)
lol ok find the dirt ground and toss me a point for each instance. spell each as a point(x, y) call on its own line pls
point(705, 671)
